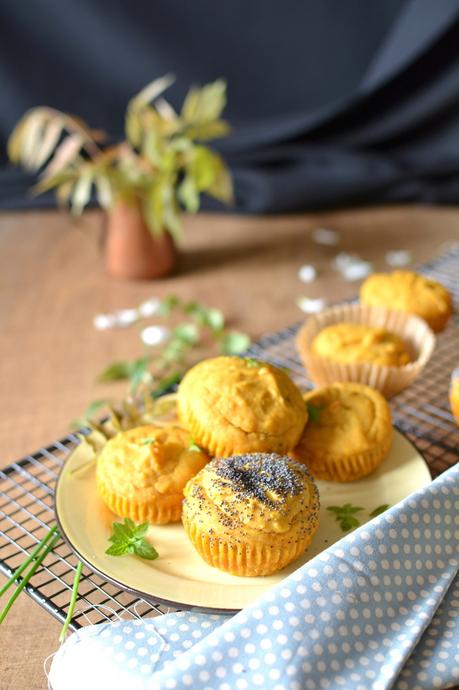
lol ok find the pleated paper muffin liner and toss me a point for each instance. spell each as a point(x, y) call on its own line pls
point(160, 511)
point(414, 332)
point(242, 559)
point(343, 468)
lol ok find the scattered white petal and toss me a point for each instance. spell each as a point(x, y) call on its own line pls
point(149, 307)
point(311, 306)
point(154, 335)
point(343, 260)
point(104, 321)
point(399, 257)
point(307, 273)
point(326, 236)
point(357, 270)
point(125, 317)
point(352, 267)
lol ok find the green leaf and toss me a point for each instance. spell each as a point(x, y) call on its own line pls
point(127, 537)
point(119, 549)
point(82, 192)
point(125, 370)
point(188, 194)
point(145, 550)
point(345, 516)
point(252, 363)
point(168, 304)
point(208, 130)
point(139, 372)
point(205, 104)
point(234, 343)
point(186, 333)
point(117, 371)
point(380, 509)
point(165, 384)
point(314, 411)
point(214, 319)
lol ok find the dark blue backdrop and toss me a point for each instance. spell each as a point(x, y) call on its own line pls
point(331, 102)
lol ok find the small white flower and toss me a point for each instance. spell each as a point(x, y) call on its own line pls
point(125, 317)
point(307, 273)
point(149, 307)
point(104, 322)
point(326, 236)
point(154, 335)
point(399, 257)
point(311, 306)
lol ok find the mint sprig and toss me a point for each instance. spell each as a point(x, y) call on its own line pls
point(127, 537)
point(345, 516)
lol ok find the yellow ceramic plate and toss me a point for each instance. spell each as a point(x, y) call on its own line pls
point(179, 577)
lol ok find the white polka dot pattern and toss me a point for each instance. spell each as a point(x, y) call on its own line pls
point(364, 615)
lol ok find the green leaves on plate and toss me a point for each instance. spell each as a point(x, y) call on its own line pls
point(345, 516)
point(127, 537)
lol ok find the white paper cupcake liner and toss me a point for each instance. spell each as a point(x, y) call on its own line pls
point(415, 333)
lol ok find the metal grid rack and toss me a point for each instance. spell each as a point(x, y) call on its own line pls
point(27, 486)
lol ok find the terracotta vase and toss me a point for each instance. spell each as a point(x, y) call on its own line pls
point(131, 251)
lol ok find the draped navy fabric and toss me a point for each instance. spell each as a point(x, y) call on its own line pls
point(332, 103)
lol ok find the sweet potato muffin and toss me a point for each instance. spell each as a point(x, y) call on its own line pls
point(234, 405)
point(349, 432)
point(141, 473)
point(409, 292)
point(357, 342)
point(251, 514)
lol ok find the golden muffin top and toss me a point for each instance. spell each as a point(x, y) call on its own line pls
point(253, 495)
point(356, 342)
point(345, 419)
point(241, 399)
point(409, 292)
point(150, 459)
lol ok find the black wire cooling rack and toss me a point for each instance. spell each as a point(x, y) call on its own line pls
point(27, 486)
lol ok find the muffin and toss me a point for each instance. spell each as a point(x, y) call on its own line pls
point(409, 292)
point(454, 394)
point(233, 405)
point(349, 432)
point(358, 342)
point(141, 473)
point(251, 515)
point(391, 336)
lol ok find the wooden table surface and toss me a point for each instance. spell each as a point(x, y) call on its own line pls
point(52, 284)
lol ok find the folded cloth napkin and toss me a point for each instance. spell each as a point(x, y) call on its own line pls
point(379, 609)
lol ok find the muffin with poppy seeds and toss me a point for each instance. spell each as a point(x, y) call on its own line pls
point(252, 514)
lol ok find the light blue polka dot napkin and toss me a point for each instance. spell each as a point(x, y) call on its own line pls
point(377, 610)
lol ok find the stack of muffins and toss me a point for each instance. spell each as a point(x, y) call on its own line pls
point(254, 507)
